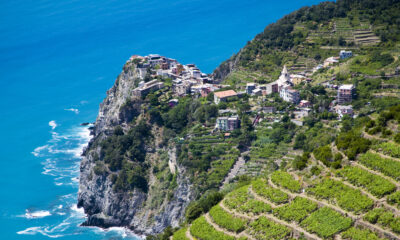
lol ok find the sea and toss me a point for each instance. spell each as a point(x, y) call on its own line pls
point(57, 60)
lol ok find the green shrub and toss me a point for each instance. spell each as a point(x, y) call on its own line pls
point(263, 229)
point(201, 229)
point(180, 234)
point(394, 199)
point(324, 154)
point(388, 148)
point(203, 205)
point(355, 233)
point(296, 210)
point(285, 180)
point(346, 197)
point(272, 194)
point(387, 166)
point(326, 222)
point(353, 143)
point(226, 220)
point(373, 215)
point(375, 184)
point(255, 207)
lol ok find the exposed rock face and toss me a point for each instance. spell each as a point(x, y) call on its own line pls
point(106, 207)
point(228, 66)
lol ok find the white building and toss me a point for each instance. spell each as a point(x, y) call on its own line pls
point(330, 61)
point(345, 54)
point(344, 110)
point(284, 78)
point(288, 94)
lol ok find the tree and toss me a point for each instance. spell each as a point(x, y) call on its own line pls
point(210, 97)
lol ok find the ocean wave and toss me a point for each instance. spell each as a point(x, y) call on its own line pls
point(37, 150)
point(75, 110)
point(53, 124)
point(61, 160)
point(37, 214)
point(40, 230)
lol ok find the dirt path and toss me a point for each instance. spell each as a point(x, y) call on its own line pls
point(235, 169)
point(385, 156)
point(188, 235)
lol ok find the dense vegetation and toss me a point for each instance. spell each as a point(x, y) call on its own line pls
point(270, 49)
point(125, 155)
point(352, 143)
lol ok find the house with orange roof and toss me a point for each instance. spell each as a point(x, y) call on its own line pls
point(223, 95)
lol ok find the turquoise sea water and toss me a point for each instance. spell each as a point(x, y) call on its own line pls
point(58, 58)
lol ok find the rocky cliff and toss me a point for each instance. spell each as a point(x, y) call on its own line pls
point(145, 212)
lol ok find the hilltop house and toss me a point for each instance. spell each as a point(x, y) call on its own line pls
point(345, 54)
point(330, 61)
point(288, 94)
point(145, 88)
point(223, 96)
point(227, 123)
point(344, 110)
point(297, 79)
point(345, 93)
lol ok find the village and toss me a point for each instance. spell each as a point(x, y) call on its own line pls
point(189, 80)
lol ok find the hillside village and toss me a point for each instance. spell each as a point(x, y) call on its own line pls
point(188, 80)
point(265, 108)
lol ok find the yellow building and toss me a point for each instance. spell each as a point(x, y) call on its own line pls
point(297, 79)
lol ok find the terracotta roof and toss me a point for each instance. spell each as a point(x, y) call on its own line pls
point(223, 94)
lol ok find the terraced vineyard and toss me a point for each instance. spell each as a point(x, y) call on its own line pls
point(273, 209)
point(359, 201)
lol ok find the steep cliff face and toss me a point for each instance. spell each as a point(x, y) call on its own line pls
point(143, 212)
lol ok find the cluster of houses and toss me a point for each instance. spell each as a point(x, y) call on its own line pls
point(186, 79)
point(343, 54)
point(283, 86)
point(345, 95)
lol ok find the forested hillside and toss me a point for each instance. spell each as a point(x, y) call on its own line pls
point(304, 37)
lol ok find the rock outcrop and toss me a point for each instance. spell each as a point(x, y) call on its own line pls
point(133, 209)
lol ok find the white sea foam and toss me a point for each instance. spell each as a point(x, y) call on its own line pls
point(37, 150)
point(75, 110)
point(61, 159)
point(37, 214)
point(53, 124)
point(35, 230)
